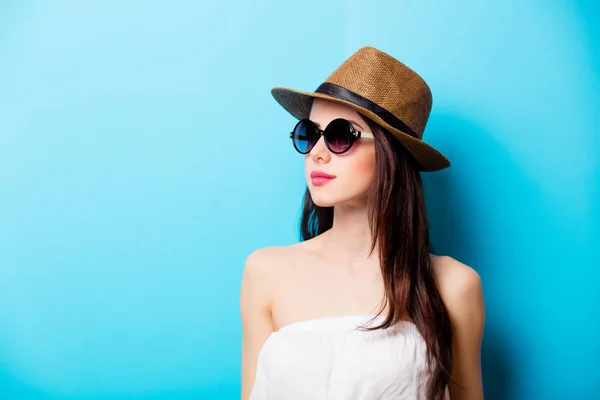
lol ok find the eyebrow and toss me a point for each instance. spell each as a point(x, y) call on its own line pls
point(351, 120)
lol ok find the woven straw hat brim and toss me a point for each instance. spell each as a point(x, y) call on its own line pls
point(298, 104)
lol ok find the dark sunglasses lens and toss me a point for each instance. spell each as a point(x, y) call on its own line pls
point(304, 136)
point(339, 135)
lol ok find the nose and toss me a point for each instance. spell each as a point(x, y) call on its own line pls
point(320, 151)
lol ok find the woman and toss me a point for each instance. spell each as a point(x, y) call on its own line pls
point(360, 309)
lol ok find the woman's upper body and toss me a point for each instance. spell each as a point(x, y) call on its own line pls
point(298, 302)
point(289, 291)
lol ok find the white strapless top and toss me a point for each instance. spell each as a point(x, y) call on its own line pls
point(329, 358)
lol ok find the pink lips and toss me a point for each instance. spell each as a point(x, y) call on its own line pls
point(320, 178)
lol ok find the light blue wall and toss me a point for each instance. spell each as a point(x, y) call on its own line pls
point(142, 158)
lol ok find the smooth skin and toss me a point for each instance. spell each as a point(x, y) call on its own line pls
point(334, 275)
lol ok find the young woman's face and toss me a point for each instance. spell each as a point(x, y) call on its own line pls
point(353, 170)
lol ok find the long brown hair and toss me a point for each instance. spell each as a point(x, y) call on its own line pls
point(398, 220)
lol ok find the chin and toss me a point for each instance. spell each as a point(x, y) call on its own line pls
point(327, 203)
point(328, 198)
point(324, 197)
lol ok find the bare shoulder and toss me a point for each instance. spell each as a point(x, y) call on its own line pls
point(259, 280)
point(461, 290)
point(260, 274)
point(267, 265)
point(271, 260)
point(262, 265)
point(262, 260)
point(459, 285)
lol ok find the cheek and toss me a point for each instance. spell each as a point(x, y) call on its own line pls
point(360, 166)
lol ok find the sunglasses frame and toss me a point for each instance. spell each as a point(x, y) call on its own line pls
point(354, 134)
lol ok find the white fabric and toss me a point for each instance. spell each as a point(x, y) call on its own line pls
point(329, 358)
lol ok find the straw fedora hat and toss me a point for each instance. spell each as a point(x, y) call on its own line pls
point(381, 88)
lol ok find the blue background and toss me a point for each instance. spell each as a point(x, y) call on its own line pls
point(142, 158)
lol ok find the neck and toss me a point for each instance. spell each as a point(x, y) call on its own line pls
point(350, 234)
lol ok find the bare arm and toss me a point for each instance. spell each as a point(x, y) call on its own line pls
point(255, 311)
point(460, 287)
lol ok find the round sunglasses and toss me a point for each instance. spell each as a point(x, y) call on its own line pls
point(339, 135)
